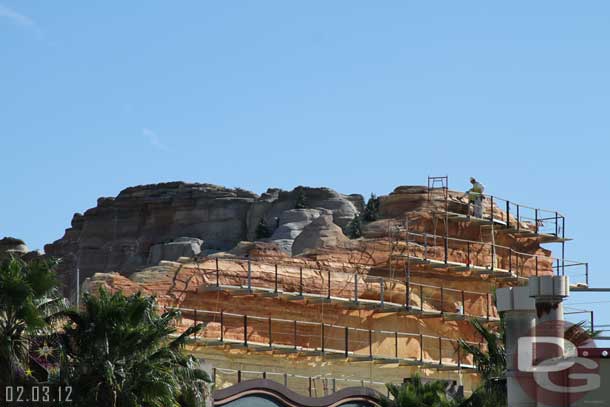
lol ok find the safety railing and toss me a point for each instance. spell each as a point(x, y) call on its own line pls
point(313, 386)
point(488, 257)
point(353, 289)
point(514, 216)
point(328, 340)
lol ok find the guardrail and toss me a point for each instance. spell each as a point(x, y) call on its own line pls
point(352, 289)
point(516, 216)
point(327, 340)
point(489, 256)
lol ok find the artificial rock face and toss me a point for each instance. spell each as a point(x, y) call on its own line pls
point(139, 226)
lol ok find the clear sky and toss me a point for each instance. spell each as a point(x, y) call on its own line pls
point(358, 96)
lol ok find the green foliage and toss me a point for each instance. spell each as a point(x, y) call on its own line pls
point(263, 231)
point(415, 393)
point(120, 352)
point(491, 364)
point(354, 228)
point(371, 211)
point(29, 300)
point(301, 201)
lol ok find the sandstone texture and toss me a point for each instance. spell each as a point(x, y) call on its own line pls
point(139, 226)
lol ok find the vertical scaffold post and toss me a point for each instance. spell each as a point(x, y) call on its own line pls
point(446, 247)
point(239, 376)
point(214, 375)
point(459, 357)
point(370, 344)
point(356, 287)
point(518, 218)
point(440, 351)
point(587, 273)
point(381, 291)
point(276, 283)
point(507, 214)
point(557, 224)
point(264, 375)
point(421, 348)
point(488, 310)
point(346, 342)
point(195, 321)
point(249, 274)
point(468, 261)
point(285, 379)
point(245, 331)
point(322, 338)
point(592, 322)
point(294, 334)
point(536, 263)
point(442, 299)
point(301, 281)
point(421, 297)
point(491, 216)
point(269, 333)
point(408, 286)
point(222, 325)
point(425, 246)
point(334, 385)
point(310, 393)
point(396, 344)
point(510, 260)
point(536, 219)
point(217, 274)
point(328, 278)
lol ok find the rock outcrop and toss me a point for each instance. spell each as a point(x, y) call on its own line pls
point(139, 227)
point(320, 233)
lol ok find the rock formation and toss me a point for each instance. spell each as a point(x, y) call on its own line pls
point(139, 227)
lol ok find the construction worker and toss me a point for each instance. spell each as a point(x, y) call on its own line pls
point(475, 197)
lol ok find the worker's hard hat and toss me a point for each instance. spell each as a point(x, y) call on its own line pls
point(472, 179)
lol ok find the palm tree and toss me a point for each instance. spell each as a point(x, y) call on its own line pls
point(29, 300)
point(415, 393)
point(491, 364)
point(120, 352)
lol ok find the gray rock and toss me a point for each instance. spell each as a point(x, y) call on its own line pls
point(320, 233)
point(180, 247)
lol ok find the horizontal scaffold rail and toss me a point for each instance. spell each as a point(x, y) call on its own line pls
point(350, 290)
point(330, 341)
point(511, 217)
point(484, 258)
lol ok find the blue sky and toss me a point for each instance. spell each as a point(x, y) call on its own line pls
point(358, 96)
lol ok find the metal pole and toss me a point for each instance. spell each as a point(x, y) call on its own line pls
point(370, 344)
point(329, 284)
point(592, 323)
point(322, 337)
point(346, 342)
point(446, 249)
point(301, 281)
point(382, 292)
point(217, 274)
point(356, 287)
point(492, 210)
point(269, 328)
point(421, 347)
point(507, 214)
point(442, 291)
point(246, 331)
point(222, 326)
point(295, 334)
point(249, 275)
point(276, 283)
point(396, 344)
point(536, 218)
point(518, 218)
